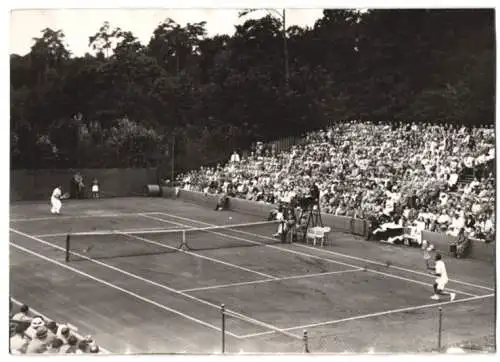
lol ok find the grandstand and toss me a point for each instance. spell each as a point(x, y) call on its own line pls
point(440, 174)
point(34, 333)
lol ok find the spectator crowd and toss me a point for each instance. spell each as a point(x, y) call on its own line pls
point(32, 334)
point(438, 177)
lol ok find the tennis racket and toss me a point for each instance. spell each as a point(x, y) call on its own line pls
point(65, 196)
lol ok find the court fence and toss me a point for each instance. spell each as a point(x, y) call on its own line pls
point(479, 250)
point(114, 182)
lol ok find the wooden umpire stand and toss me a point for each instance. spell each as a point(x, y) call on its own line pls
point(313, 216)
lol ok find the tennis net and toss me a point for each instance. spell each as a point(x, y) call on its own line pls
point(112, 244)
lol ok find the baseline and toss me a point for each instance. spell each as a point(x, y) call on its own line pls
point(329, 252)
point(111, 285)
point(64, 217)
point(312, 256)
point(162, 286)
point(371, 315)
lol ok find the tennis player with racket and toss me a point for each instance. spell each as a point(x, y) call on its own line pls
point(427, 249)
point(55, 200)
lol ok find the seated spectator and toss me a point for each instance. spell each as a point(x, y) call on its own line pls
point(36, 323)
point(36, 336)
point(71, 345)
point(18, 341)
point(415, 166)
point(23, 315)
point(63, 333)
point(55, 347)
point(40, 343)
point(457, 224)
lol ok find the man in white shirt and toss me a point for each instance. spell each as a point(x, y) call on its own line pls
point(235, 158)
point(55, 200)
point(441, 280)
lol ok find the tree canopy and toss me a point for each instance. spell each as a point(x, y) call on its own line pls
point(122, 105)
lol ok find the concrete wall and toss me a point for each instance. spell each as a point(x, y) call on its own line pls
point(38, 184)
point(479, 250)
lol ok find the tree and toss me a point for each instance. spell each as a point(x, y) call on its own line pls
point(226, 91)
point(103, 41)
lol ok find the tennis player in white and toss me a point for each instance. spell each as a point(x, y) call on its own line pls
point(55, 200)
point(441, 280)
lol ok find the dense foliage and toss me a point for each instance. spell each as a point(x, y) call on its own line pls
point(123, 106)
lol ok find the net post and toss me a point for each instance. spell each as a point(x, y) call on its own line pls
point(67, 247)
point(183, 245)
point(440, 325)
point(223, 315)
point(305, 338)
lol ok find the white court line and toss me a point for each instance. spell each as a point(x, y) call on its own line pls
point(394, 267)
point(162, 286)
point(111, 285)
point(72, 327)
point(371, 315)
point(63, 217)
point(327, 251)
point(109, 231)
point(303, 276)
point(149, 241)
point(313, 256)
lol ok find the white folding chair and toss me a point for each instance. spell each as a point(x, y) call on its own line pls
point(311, 234)
point(319, 235)
point(326, 231)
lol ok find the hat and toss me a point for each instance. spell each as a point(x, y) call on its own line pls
point(37, 322)
point(64, 330)
point(41, 332)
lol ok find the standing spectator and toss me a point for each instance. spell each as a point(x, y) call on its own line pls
point(95, 189)
point(235, 158)
point(78, 185)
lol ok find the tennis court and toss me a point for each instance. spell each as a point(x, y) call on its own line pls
point(135, 291)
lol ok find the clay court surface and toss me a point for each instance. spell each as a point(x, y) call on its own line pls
point(343, 294)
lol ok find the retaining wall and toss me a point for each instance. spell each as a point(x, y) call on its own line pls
point(30, 185)
point(479, 250)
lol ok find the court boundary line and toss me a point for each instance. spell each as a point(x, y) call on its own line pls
point(302, 276)
point(376, 314)
point(110, 231)
point(126, 291)
point(314, 256)
point(165, 287)
point(149, 241)
point(330, 252)
point(71, 326)
point(66, 217)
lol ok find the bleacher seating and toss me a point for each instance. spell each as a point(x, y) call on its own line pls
point(31, 333)
point(408, 171)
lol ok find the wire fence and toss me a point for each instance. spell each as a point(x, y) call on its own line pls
point(327, 341)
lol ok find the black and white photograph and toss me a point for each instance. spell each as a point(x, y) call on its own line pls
point(252, 181)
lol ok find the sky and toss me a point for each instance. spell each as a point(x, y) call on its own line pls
point(79, 24)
